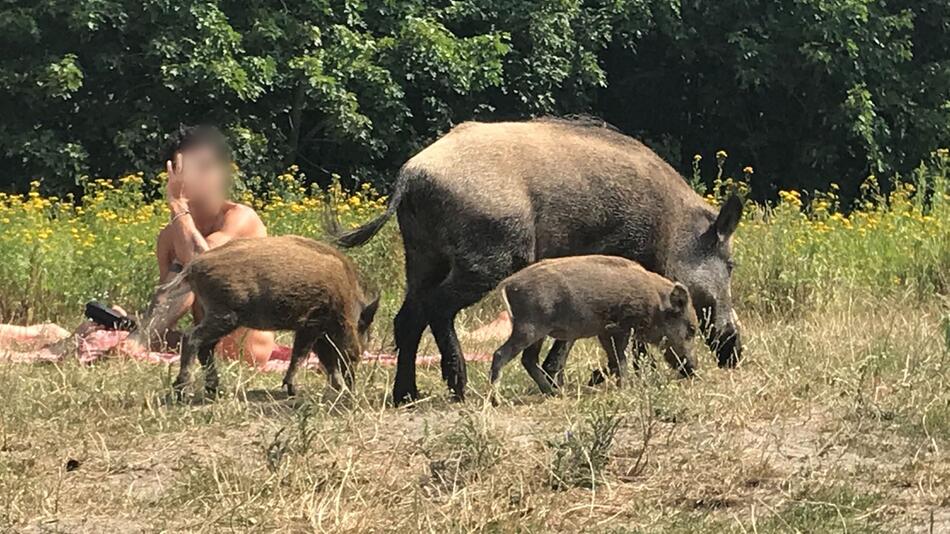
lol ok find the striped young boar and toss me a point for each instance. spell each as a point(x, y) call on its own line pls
point(586, 296)
point(275, 283)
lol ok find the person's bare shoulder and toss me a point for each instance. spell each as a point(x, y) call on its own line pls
point(243, 221)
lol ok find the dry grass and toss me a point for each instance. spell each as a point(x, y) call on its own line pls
point(838, 421)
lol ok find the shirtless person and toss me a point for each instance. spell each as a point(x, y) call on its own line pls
point(198, 162)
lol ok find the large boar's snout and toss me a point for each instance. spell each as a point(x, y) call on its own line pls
point(728, 344)
point(729, 349)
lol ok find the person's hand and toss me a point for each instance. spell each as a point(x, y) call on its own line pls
point(175, 191)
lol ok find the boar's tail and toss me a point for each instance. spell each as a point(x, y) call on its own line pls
point(361, 235)
point(168, 297)
point(504, 298)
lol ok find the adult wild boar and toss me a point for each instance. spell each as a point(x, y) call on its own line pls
point(585, 296)
point(487, 199)
point(273, 283)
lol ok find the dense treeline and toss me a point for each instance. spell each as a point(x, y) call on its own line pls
point(806, 91)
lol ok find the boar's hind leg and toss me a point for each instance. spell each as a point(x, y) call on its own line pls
point(408, 327)
point(423, 273)
point(303, 341)
point(459, 290)
point(529, 359)
point(521, 339)
point(202, 340)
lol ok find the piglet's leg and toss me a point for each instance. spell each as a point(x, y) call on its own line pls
point(206, 357)
point(522, 337)
point(329, 355)
point(339, 355)
point(556, 360)
point(303, 341)
point(350, 357)
point(639, 350)
point(616, 348)
point(203, 340)
point(529, 359)
point(188, 351)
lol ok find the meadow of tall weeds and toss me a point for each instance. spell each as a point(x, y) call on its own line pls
point(57, 253)
point(837, 419)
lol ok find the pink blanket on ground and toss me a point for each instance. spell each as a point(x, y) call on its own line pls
point(99, 344)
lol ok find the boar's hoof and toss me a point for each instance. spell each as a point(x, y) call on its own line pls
point(686, 371)
point(494, 398)
point(178, 390)
point(596, 378)
point(291, 389)
point(405, 395)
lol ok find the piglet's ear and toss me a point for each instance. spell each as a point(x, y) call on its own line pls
point(729, 216)
point(369, 313)
point(679, 298)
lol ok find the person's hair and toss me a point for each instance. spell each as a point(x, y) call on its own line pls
point(186, 137)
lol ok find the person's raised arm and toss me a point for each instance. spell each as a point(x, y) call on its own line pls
point(186, 240)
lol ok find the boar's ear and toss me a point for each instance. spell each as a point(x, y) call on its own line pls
point(679, 298)
point(368, 313)
point(729, 216)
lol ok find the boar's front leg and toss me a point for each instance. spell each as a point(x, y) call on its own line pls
point(615, 345)
point(303, 341)
point(339, 354)
point(639, 354)
point(556, 360)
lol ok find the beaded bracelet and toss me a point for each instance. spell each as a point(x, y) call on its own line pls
point(179, 216)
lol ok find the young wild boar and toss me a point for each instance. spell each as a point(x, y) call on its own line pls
point(276, 283)
point(585, 296)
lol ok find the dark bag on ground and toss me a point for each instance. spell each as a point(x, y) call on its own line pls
point(107, 317)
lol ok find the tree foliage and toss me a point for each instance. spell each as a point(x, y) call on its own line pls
point(807, 91)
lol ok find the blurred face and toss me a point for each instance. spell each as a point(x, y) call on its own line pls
point(208, 177)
